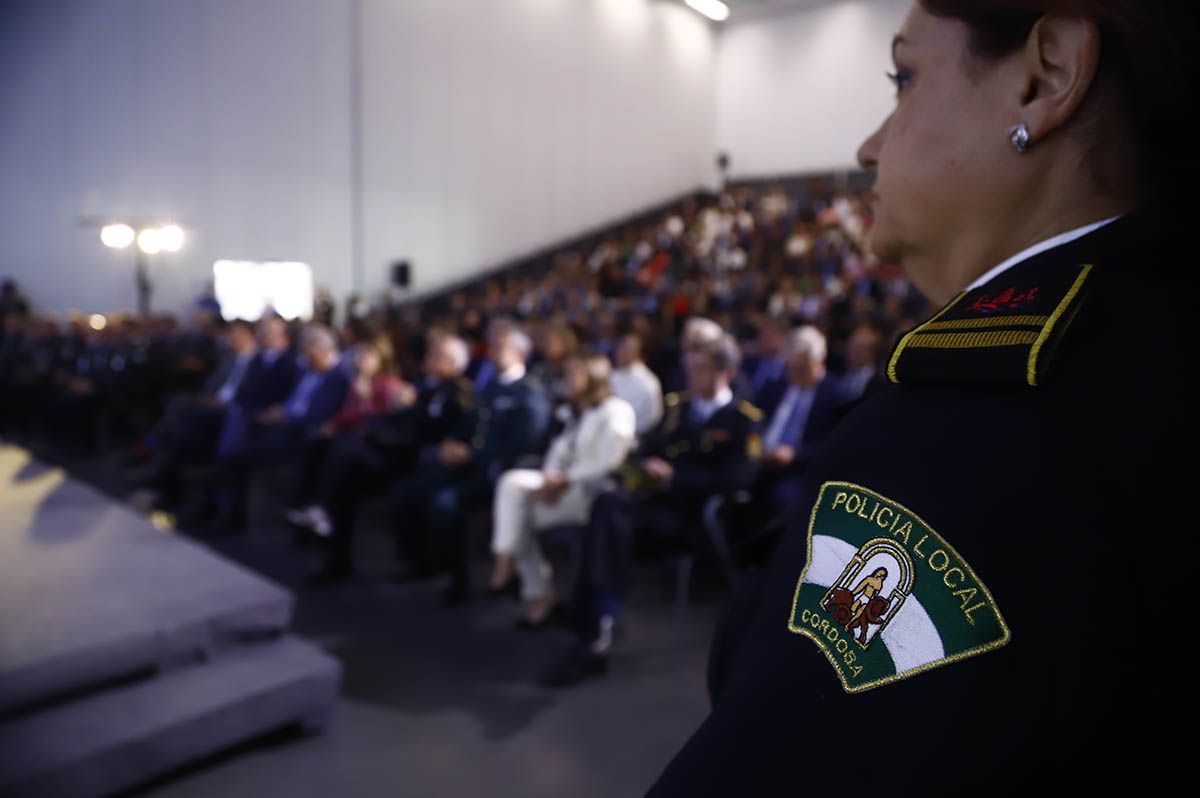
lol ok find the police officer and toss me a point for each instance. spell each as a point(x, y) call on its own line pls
point(1011, 492)
point(708, 444)
point(508, 420)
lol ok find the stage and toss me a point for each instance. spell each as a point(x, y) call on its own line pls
point(127, 651)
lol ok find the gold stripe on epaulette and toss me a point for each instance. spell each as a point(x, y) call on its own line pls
point(975, 340)
point(904, 342)
point(750, 411)
point(990, 321)
point(1031, 371)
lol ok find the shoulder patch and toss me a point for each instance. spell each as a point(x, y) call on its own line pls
point(675, 398)
point(1003, 332)
point(750, 411)
point(884, 596)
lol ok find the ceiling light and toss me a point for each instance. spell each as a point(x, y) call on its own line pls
point(713, 9)
point(116, 236)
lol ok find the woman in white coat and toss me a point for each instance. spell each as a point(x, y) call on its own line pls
point(599, 437)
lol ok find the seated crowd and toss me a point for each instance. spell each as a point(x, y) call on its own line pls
point(658, 390)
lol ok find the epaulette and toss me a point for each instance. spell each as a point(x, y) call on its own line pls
point(675, 398)
point(749, 411)
point(1004, 332)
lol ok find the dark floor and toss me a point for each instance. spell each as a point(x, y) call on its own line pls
point(444, 702)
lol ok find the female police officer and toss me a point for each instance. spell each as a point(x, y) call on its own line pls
point(984, 586)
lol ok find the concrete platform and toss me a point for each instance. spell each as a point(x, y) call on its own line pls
point(90, 591)
point(121, 737)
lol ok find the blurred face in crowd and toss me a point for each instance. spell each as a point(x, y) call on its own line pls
point(862, 350)
point(703, 377)
point(320, 357)
point(942, 160)
point(504, 353)
point(575, 377)
point(629, 351)
point(273, 334)
point(804, 370)
point(439, 361)
point(367, 362)
point(240, 338)
point(554, 346)
point(770, 340)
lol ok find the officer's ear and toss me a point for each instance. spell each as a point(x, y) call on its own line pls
point(1061, 59)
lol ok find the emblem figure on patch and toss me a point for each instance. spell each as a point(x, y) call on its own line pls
point(886, 580)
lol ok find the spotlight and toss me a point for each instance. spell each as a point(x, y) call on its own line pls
point(170, 238)
point(116, 236)
point(713, 9)
point(97, 322)
point(149, 241)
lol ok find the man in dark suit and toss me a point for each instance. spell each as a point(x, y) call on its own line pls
point(273, 373)
point(767, 366)
point(281, 430)
point(707, 445)
point(802, 409)
point(190, 425)
point(362, 464)
point(457, 475)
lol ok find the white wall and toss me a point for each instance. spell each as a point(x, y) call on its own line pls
point(799, 91)
point(496, 126)
point(489, 128)
point(228, 115)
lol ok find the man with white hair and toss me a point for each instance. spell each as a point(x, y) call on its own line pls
point(697, 332)
point(801, 412)
point(509, 419)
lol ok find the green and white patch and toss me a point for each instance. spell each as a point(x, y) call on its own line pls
point(883, 595)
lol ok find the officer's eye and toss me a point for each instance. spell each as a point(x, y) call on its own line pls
point(900, 79)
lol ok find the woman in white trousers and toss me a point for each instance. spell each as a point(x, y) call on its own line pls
point(599, 437)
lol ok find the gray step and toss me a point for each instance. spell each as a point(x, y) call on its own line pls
point(90, 591)
point(123, 736)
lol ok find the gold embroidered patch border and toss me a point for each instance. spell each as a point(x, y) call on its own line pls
point(861, 531)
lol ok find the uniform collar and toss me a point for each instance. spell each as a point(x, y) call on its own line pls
point(513, 374)
point(1038, 248)
point(1006, 330)
point(707, 407)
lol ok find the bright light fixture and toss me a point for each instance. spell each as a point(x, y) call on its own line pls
point(148, 241)
point(97, 322)
point(713, 9)
point(116, 236)
point(170, 238)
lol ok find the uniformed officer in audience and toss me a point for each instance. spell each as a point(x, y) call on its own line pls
point(708, 444)
point(457, 475)
point(970, 600)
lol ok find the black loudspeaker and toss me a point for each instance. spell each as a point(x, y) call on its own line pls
point(401, 274)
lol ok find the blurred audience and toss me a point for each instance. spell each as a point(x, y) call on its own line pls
point(633, 381)
point(498, 398)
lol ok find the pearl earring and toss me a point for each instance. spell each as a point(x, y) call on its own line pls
point(1019, 136)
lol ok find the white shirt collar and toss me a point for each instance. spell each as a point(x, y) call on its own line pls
point(709, 406)
point(513, 374)
point(1041, 246)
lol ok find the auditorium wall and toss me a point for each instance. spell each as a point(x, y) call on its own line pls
point(799, 90)
point(345, 134)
